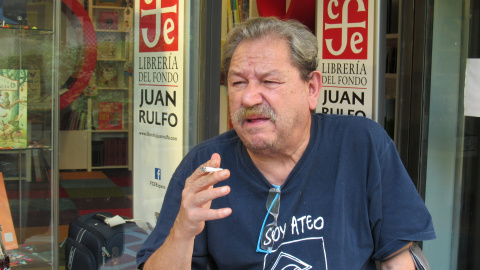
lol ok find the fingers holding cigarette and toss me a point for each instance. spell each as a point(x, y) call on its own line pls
point(204, 176)
point(211, 165)
point(210, 169)
point(198, 194)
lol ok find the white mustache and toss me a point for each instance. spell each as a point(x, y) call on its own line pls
point(258, 110)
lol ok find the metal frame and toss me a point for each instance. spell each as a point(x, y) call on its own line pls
point(202, 84)
point(55, 195)
point(211, 83)
point(413, 89)
point(380, 52)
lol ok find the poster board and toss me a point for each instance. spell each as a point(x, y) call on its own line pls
point(346, 35)
point(472, 88)
point(158, 102)
point(8, 231)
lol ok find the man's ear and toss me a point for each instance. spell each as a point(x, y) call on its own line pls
point(314, 88)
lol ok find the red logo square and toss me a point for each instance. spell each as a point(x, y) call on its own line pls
point(345, 29)
point(158, 25)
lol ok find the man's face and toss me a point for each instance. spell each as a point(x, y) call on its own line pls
point(269, 102)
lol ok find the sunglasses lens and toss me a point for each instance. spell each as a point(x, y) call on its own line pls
point(273, 201)
point(267, 234)
point(267, 237)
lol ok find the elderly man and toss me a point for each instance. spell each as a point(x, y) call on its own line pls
point(300, 190)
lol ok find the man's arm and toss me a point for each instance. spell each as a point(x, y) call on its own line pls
point(401, 260)
point(176, 251)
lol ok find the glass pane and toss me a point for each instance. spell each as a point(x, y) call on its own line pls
point(95, 112)
point(469, 237)
point(26, 65)
point(452, 165)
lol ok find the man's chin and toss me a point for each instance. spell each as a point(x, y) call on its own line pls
point(259, 146)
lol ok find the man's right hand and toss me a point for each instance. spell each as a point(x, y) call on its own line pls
point(197, 195)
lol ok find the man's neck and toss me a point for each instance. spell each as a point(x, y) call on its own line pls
point(277, 165)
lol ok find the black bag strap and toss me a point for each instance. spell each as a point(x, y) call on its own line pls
point(101, 217)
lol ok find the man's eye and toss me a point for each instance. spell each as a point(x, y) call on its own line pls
point(238, 83)
point(270, 82)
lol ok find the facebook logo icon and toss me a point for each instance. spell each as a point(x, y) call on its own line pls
point(158, 174)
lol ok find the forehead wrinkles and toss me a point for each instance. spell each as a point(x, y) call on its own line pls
point(261, 64)
point(262, 49)
point(255, 70)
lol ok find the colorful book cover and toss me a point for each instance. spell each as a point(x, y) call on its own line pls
point(108, 20)
point(110, 115)
point(13, 108)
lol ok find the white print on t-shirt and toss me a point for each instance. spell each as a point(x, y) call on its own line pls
point(298, 226)
point(291, 261)
point(306, 222)
point(302, 253)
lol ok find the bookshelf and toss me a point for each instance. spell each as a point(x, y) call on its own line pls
point(231, 11)
point(100, 120)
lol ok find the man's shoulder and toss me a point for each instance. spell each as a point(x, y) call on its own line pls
point(338, 129)
point(354, 123)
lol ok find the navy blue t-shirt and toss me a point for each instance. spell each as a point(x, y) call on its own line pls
point(348, 202)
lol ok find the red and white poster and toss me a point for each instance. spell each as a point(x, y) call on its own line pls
point(345, 31)
point(157, 101)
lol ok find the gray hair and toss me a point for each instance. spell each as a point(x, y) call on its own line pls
point(303, 44)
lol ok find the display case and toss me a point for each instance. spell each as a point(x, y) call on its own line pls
point(27, 178)
point(99, 120)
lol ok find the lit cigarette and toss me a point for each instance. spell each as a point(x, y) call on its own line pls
point(210, 169)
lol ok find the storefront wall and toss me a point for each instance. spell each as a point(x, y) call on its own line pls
point(30, 171)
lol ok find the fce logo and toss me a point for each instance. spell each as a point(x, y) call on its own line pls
point(158, 174)
point(345, 34)
point(158, 25)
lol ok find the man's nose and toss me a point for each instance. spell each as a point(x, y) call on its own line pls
point(252, 95)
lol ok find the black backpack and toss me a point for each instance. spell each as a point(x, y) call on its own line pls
point(91, 242)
